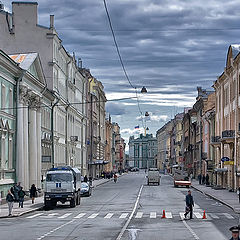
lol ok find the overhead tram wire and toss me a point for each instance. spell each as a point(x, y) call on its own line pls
point(120, 58)
point(69, 104)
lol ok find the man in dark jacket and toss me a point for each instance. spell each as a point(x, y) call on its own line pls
point(189, 205)
point(235, 233)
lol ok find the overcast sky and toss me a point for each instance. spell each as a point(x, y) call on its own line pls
point(171, 47)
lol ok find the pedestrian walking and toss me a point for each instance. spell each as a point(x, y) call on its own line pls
point(21, 195)
point(10, 200)
point(115, 177)
point(85, 178)
point(235, 233)
point(203, 179)
point(189, 205)
point(207, 179)
point(15, 192)
point(33, 192)
point(191, 176)
point(200, 179)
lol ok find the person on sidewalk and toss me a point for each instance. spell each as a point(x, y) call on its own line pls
point(15, 192)
point(207, 180)
point(200, 179)
point(21, 195)
point(33, 192)
point(85, 178)
point(203, 179)
point(10, 200)
point(235, 233)
point(189, 205)
point(115, 177)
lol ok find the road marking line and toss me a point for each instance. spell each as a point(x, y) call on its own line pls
point(123, 215)
point(54, 230)
point(50, 215)
point(169, 215)
point(109, 215)
point(213, 216)
point(65, 215)
point(197, 215)
point(153, 214)
point(190, 230)
point(182, 215)
point(80, 215)
point(36, 215)
point(139, 215)
point(227, 215)
point(131, 215)
point(93, 215)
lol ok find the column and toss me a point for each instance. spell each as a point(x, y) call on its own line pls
point(26, 183)
point(33, 165)
point(39, 149)
point(20, 143)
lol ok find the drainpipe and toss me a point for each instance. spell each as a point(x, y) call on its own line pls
point(235, 137)
point(52, 128)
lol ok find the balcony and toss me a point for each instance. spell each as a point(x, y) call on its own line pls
point(228, 136)
point(216, 140)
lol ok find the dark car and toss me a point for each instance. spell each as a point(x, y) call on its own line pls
point(135, 169)
point(86, 189)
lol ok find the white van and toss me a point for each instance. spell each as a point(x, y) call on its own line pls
point(153, 176)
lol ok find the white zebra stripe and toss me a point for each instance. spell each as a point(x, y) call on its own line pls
point(139, 215)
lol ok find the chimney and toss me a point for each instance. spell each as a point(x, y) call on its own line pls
point(79, 62)
point(25, 13)
point(51, 21)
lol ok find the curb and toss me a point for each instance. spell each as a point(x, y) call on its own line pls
point(215, 198)
point(109, 180)
point(23, 213)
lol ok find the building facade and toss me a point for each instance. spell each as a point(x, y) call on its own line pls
point(226, 139)
point(163, 136)
point(63, 78)
point(142, 151)
point(9, 72)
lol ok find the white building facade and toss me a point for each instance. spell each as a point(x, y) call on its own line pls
point(20, 32)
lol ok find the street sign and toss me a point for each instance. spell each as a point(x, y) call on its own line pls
point(225, 159)
point(229, 163)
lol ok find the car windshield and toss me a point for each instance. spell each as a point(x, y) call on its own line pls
point(59, 177)
point(84, 185)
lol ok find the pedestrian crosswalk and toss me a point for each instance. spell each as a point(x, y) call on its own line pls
point(124, 215)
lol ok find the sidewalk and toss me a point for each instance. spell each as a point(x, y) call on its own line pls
point(227, 198)
point(29, 207)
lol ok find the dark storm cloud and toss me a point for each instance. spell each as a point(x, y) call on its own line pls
point(171, 47)
point(115, 109)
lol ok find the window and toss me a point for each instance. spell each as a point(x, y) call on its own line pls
point(3, 96)
point(10, 101)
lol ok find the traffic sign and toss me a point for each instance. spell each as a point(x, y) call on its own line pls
point(225, 159)
point(229, 163)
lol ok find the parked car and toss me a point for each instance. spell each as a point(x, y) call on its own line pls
point(135, 169)
point(86, 189)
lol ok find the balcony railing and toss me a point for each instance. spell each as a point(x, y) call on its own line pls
point(216, 139)
point(228, 134)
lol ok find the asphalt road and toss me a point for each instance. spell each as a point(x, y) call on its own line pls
point(108, 214)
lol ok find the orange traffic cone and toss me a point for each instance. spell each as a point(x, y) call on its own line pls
point(204, 215)
point(163, 215)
